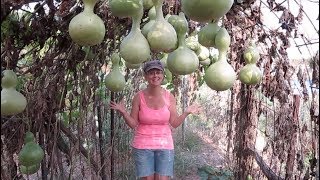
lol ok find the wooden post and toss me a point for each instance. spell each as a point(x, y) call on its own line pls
point(293, 141)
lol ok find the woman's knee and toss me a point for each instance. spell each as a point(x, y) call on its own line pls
point(151, 177)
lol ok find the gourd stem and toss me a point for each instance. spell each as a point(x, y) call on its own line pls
point(115, 60)
point(87, 52)
point(136, 20)
point(182, 39)
point(222, 56)
point(158, 5)
point(89, 5)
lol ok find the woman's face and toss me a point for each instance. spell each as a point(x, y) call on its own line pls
point(154, 77)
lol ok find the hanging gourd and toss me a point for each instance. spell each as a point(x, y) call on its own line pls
point(203, 53)
point(29, 137)
point(164, 59)
point(193, 43)
point(222, 40)
point(250, 74)
point(125, 8)
point(162, 37)
point(132, 66)
point(147, 4)
point(12, 101)
point(183, 60)
point(31, 154)
point(220, 76)
point(87, 28)
point(251, 55)
point(205, 10)
point(152, 18)
point(134, 48)
point(29, 169)
point(168, 75)
point(207, 34)
point(115, 80)
point(205, 62)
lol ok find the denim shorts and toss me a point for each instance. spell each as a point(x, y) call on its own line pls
point(150, 161)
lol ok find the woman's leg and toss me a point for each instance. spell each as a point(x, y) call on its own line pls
point(151, 177)
point(159, 177)
point(164, 161)
point(144, 163)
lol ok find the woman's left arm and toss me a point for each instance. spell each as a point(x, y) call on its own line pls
point(175, 119)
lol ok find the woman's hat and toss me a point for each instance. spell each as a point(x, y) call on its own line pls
point(154, 64)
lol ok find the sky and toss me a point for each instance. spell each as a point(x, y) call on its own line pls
point(311, 8)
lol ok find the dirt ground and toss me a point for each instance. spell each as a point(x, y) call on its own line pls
point(209, 153)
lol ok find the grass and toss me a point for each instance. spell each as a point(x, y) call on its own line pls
point(183, 163)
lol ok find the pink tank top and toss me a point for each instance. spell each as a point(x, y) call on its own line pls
point(153, 131)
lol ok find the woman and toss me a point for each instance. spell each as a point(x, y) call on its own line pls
point(153, 112)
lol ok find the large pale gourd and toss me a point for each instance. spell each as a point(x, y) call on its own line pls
point(162, 37)
point(205, 10)
point(203, 53)
point(220, 76)
point(135, 48)
point(125, 8)
point(147, 4)
point(207, 34)
point(250, 74)
point(183, 60)
point(115, 80)
point(192, 43)
point(12, 101)
point(86, 28)
point(222, 40)
point(152, 18)
point(132, 66)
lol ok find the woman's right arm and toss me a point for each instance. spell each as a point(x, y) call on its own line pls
point(132, 118)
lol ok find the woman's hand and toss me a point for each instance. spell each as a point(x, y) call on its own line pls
point(193, 109)
point(118, 106)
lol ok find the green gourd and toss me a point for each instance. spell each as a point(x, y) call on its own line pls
point(162, 37)
point(250, 74)
point(222, 40)
point(205, 62)
point(12, 101)
point(31, 153)
point(29, 137)
point(251, 55)
point(203, 53)
point(152, 17)
point(115, 80)
point(220, 75)
point(125, 8)
point(29, 169)
point(132, 66)
point(207, 34)
point(147, 4)
point(87, 28)
point(192, 43)
point(183, 60)
point(205, 10)
point(164, 60)
point(135, 48)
